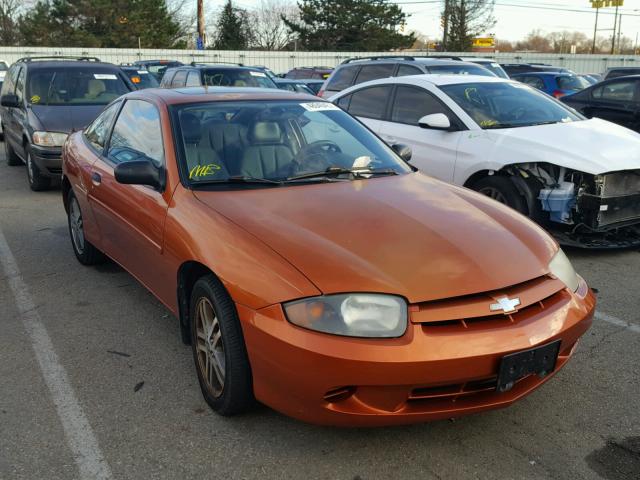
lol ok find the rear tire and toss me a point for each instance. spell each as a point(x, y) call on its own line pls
point(219, 351)
point(502, 190)
point(13, 160)
point(37, 181)
point(84, 250)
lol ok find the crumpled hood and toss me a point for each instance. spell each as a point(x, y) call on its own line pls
point(65, 119)
point(409, 235)
point(592, 146)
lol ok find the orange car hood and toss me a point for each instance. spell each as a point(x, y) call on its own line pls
point(409, 235)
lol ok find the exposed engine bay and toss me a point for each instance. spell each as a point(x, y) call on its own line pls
point(584, 210)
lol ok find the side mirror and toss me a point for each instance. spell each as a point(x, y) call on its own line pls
point(403, 151)
point(140, 172)
point(435, 121)
point(9, 100)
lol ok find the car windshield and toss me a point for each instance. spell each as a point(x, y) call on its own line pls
point(495, 68)
point(462, 69)
point(271, 142)
point(230, 77)
point(571, 82)
point(87, 86)
point(141, 78)
point(507, 104)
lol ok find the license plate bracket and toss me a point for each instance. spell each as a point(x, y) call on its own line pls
point(539, 360)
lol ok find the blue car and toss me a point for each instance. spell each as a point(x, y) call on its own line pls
point(556, 84)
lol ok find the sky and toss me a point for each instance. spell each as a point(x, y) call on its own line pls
point(515, 18)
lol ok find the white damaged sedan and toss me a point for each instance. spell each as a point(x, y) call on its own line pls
point(579, 178)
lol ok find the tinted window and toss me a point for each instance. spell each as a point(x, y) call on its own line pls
point(229, 77)
point(621, 91)
point(373, 72)
point(623, 73)
point(141, 78)
point(83, 86)
point(9, 85)
point(535, 82)
point(462, 69)
point(571, 83)
point(413, 103)
point(167, 78)
point(98, 131)
point(495, 68)
point(342, 78)
point(180, 79)
point(404, 70)
point(137, 132)
point(193, 79)
point(369, 102)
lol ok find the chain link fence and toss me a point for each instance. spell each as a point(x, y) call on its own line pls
point(282, 61)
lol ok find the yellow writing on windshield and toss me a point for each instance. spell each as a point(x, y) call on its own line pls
point(203, 170)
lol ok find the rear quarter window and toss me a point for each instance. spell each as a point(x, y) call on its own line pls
point(343, 78)
point(374, 72)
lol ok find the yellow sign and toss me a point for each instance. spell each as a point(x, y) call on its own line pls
point(484, 42)
point(606, 3)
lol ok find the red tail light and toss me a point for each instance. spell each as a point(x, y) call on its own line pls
point(558, 93)
point(320, 93)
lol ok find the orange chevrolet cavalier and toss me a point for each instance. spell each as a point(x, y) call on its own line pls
point(311, 268)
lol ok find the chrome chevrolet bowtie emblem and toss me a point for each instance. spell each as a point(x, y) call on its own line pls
point(506, 304)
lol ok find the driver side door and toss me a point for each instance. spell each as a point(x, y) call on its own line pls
point(131, 217)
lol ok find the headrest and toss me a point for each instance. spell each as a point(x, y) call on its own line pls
point(266, 132)
point(191, 128)
point(95, 87)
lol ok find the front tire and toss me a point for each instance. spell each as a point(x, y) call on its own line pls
point(37, 181)
point(502, 190)
point(84, 250)
point(218, 348)
point(13, 160)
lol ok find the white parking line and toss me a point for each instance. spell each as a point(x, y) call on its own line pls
point(80, 436)
point(605, 317)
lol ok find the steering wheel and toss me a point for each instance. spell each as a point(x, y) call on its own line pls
point(323, 146)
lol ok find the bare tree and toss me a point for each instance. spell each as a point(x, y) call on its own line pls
point(467, 19)
point(9, 12)
point(268, 30)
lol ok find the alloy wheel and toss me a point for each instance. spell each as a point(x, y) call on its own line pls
point(75, 223)
point(494, 193)
point(30, 172)
point(210, 349)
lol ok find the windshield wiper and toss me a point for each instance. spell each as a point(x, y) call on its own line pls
point(518, 125)
point(240, 179)
point(356, 172)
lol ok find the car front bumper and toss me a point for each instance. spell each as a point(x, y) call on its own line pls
point(427, 374)
point(48, 160)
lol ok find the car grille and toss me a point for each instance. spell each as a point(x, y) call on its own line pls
point(616, 201)
point(473, 311)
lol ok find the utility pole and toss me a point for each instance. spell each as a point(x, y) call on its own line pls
point(445, 26)
point(619, 33)
point(200, 40)
point(615, 24)
point(595, 31)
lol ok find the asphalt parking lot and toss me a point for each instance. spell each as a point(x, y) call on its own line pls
point(135, 385)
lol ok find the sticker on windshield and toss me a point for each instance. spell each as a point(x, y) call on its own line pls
point(204, 170)
point(257, 74)
point(318, 106)
point(143, 72)
point(361, 162)
point(35, 99)
point(105, 76)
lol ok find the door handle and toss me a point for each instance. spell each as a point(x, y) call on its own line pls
point(96, 179)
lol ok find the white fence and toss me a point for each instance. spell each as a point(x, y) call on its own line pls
point(283, 61)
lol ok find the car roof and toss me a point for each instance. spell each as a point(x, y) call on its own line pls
point(175, 96)
point(69, 64)
point(545, 74)
point(623, 68)
point(413, 61)
point(437, 79)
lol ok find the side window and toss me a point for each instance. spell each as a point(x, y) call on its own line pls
point(404, 70)
point(20, 85)
point(137, 132)
point(344, 102)
point(9, 85)
point(97, 132)
point(535, 82)
point(342, 78)
point(373, 72)
point(412, 103)
point(180, 79)
point(370, 102)
point(620, 91)
point(193, 79)
point(167, 78)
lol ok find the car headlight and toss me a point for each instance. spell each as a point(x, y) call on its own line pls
point(561, 268)
point(49, 139)
point(351, 315)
